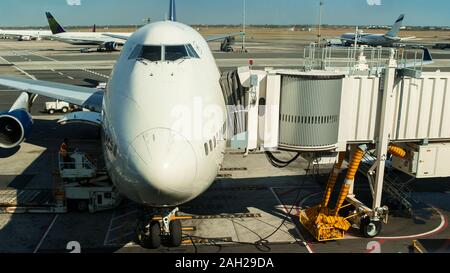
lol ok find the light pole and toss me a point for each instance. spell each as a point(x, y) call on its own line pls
point(243, 26)
point(319, 34)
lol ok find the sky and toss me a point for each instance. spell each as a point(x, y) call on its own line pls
point(280, 12)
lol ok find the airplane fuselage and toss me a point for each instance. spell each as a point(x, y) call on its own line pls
point(164, 116)
point(86, 38)
point(25, 33)
point(369, 39)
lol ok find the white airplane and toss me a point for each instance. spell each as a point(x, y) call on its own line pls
point(155, 155)
point(385, 40)
point(107, 41)
point(100, 39)
point(25, 35)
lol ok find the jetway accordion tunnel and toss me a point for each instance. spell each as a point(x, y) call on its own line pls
point(310, 109)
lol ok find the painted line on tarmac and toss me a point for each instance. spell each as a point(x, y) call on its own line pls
point(45, 234)
point(443, 225)
point(44, 57)
point(19, 69)
point(96, 73)
point(307, 245)
point(106, 241)
point(79, 68)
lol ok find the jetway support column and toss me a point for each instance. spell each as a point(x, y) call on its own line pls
point(385, 125)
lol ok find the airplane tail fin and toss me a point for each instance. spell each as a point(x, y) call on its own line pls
point(55, 27)
point(94, 28)
point(396, 27)
point(427, 55)
point(172, 11)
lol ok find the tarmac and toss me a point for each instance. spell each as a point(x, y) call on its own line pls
point(252, 206)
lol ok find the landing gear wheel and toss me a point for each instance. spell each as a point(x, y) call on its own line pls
point(175, 236)
point(149, 237)
point(370, 228)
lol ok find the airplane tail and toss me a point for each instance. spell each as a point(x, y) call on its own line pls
point(94, 28)
point(396, 27)
point(54, 26)
point(427, 55)
point(172, 11)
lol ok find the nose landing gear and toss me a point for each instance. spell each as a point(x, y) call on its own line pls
point(158, 224)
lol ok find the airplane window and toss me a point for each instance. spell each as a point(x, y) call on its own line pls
point(136, 52)
point(192, 52)
point(151, 53)
point(174, 53)
point(206, 149)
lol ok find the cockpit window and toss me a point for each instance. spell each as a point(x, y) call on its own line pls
point(156, 53)
point(191, 51)
point(151, 53)
point(174, 53)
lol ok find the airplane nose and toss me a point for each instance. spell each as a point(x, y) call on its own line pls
point(167, 163)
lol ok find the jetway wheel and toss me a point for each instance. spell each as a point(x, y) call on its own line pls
point(175, 235)
point(370, 228)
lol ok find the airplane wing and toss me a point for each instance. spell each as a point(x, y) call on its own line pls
point(220, 37)
point(89, 98)
point(118, 36)
point(98, 41)
point(208, 39)
point(412, 38)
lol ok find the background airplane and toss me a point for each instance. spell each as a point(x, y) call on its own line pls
point(150, 156)
point(100, 39)
point(25, 35)
point(385, 40)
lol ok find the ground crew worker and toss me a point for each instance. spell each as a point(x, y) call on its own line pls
point(64, 152)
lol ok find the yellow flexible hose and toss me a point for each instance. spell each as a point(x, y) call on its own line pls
point(397, 151)
point(332, 180)
point(350, 177)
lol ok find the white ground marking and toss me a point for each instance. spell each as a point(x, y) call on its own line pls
point(84, 69)
point(45, 234)
point(44, 57)
point(289, 217)
point(19, 69)
point(114, 217)
point(441, 225)
point(105, 242)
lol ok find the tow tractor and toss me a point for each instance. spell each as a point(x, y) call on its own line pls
point(52, 106)
point(86, 188)
point(78, 185)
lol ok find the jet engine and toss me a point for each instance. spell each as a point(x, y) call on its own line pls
point(25, 38)
point(16, 124)
point(111, 46)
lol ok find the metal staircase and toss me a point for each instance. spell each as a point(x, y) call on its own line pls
point(396, 186)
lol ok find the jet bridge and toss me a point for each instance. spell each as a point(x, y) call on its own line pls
point(380, 105)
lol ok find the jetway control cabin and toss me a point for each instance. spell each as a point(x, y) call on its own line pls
point(373, 103)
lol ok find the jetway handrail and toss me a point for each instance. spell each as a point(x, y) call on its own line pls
point(347, 58)
point(84, 164)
